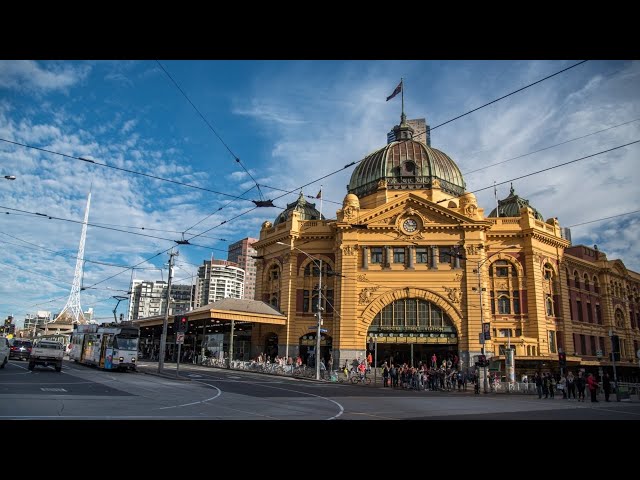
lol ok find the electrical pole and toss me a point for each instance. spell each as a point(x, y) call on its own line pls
point(163, 338)
point(319, 331)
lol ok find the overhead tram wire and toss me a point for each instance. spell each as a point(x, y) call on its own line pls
point(55, 252)
point(55, 280)
point(213, 213)
point(551, 168)
point(52, 217)
point(235, 157)
point(550, 146)
point(441, 124)
point(307, 184)
point(509, 94)
point(451, 198)
point(537, 172)
point(602, 219)
point(497, 99)
point(94, 162)
point(289, 191)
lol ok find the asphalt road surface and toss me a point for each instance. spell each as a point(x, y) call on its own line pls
point(81, 392)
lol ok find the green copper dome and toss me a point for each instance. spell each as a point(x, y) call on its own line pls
point(307, 211)
point(510, 206)
point(406, 164)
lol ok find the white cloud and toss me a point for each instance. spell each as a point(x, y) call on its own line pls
point(30, 75)
point(128, 126)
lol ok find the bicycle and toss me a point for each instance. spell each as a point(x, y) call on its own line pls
point(361, 379)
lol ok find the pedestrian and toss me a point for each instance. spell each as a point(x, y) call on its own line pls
point(593, 387)
point(606, 385)
point(580, 385)
point(385, 374)
point(330, 362)
point(571, 386)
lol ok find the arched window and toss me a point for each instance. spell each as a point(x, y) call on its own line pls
point(273, 286)
point(576, 278)
point(505, 289)
point(596, 287)
point(619, 319)
point(586, 281)
point(550, 289)
point(549, 306)
point(568, 278)
point(413, 313)
point(504, 303)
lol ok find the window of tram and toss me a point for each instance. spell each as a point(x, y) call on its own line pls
point(125, 343)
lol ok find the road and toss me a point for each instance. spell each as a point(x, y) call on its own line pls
point(81, 392)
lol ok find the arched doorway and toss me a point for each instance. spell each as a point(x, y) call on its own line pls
point(308, 346)
point(271, 346)
point(412, 330)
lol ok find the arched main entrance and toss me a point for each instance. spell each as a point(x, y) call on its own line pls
point(412, 330)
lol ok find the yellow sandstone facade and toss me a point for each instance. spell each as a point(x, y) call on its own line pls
point(401, 266)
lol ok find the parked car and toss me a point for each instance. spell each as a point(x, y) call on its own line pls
point(4, 351)
point(20, 349)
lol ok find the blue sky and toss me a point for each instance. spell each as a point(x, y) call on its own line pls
point(289, 122)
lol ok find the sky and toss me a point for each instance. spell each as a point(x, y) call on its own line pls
point(289, 123)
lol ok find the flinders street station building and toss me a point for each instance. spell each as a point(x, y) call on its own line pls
point(412, 266)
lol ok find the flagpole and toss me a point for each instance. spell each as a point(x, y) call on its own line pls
point(495, 194)
point(402, 92)
point(320, 203)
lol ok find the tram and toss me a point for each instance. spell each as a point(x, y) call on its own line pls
point(112, 346)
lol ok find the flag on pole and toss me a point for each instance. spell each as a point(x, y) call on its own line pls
point(396, 91)
point(319, 195)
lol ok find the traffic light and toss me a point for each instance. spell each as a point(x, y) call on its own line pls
point(482, 360)
point(562, 359)
point(182, 324)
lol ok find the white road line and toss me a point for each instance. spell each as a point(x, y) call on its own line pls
point(195, 403)
point(340, 407)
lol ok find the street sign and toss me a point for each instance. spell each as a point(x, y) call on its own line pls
point(599, 353)
point(179, 338)
point(638, 353)
point(322, 330)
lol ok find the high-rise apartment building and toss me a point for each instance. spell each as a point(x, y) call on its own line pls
point(218, 279)
point(243, 254)
point(149, 298)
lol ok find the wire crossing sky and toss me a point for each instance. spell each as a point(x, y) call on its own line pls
point(291, 123)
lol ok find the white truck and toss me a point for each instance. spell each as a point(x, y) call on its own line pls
point(46, 352)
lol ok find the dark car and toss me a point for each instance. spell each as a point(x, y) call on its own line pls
point(20, 349)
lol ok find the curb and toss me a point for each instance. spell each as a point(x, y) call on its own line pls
point(164, 375)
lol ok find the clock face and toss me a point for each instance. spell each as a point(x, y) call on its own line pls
point(410, 225)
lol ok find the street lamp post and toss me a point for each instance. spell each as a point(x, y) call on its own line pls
point(482, 339)
point(318, 263)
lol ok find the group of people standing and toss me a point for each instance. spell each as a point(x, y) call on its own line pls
point(569, 385)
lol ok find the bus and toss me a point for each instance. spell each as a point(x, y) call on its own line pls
point(112, 346)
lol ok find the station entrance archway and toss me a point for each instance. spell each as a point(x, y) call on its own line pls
point(411, 330)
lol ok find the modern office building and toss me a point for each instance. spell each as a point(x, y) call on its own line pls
point(243, 254)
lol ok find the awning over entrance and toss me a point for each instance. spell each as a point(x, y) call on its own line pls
point(239, 310)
